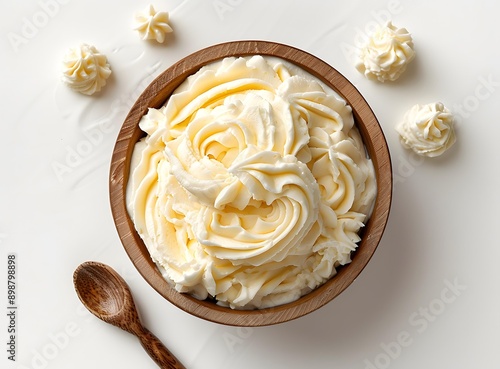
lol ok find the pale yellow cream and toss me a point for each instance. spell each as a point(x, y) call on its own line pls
point(152, 25)
point(427, 129)
point(85, 69)
point(252, 183)
point(386, 54)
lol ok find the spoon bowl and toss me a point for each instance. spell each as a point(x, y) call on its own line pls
point(109, 291)
point(106, 295)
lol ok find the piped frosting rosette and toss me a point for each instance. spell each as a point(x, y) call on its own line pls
point(427, 129)
point(85, 69)
point(252, 183)
point(386, 54)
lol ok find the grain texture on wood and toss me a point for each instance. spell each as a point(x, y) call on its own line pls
point(106, 295)
point(158, 92)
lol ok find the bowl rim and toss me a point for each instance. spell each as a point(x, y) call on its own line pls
point(157, 93)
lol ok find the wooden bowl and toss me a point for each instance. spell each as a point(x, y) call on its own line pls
point(156, 95)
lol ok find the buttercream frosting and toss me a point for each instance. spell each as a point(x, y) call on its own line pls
point(427, 129)
point(152, 25)
point(85, 69)
point(386, 54)
point(252, 183)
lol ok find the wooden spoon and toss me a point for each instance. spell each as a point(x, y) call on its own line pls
point(106, 295)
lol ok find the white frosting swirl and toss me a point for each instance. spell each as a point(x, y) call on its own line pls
point(427, 129)
point(386, 54)
point(85, 69)
point(251, 184)
point(152, 25)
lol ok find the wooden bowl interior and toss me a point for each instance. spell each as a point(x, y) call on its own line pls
point(155, 96)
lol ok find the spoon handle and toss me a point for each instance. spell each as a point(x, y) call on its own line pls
point(158, 352)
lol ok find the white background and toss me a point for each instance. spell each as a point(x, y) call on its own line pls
point(400, 313)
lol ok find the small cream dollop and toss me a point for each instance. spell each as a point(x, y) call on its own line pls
point(386, 53)
point(85, 69)
point(427, 129)
point(152, 25)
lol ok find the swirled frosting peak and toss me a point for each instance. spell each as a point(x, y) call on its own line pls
point(427, 129)
point(386, 54)
point(251, 184)
point(152, 25)
point(85, 69)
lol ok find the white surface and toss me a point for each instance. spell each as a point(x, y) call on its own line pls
point(443, 225)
